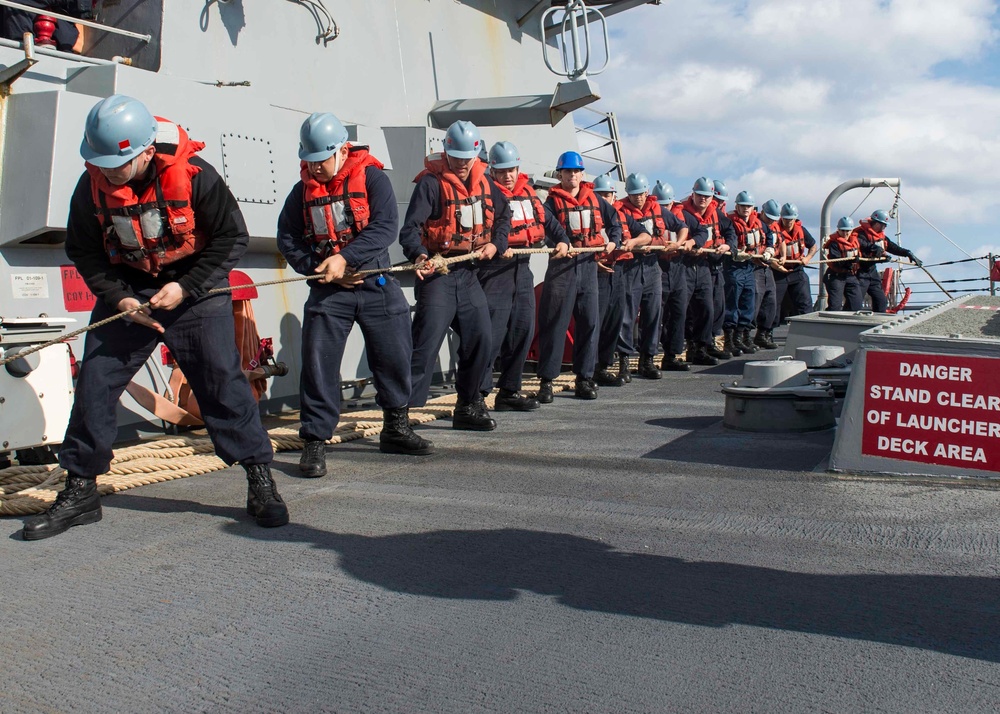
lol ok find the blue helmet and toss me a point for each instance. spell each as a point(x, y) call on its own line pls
point(118, 129)
point(744, 198)
point(845, 224)
point(604, 184)
point(321, 136)
point(462, 140)
point(569, 160)
point(636, 183)
point(704, 187)
point(790, 211)
point(880, 216)
point(663, 193)
point(504, 155)
point(770, 210)
point(721, 192)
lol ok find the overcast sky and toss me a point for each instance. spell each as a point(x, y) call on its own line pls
point(789, 98)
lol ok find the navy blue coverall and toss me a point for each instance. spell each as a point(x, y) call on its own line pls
point(570, 291)
point(377, 305)
point(611, 300)
point(199, 332)
point(796, 284)
point(868, 276)
point(742, 304)
point(510, 292)
point(644, 295)
point(455, 299)
point(698, 318)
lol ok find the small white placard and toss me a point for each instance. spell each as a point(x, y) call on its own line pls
point(29, 285)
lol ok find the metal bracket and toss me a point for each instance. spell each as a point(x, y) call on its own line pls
point(9, 75)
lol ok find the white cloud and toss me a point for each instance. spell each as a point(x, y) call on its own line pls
point(788, 99)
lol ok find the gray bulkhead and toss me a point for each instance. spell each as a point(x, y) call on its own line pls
point(392, 60)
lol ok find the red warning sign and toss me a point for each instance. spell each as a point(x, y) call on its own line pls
point(934, 409)
point(76, 295)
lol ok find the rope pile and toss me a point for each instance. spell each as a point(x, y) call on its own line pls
point(25, 490)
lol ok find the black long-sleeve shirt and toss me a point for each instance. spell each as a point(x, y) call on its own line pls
point(369, 249)
point(425, 204)
point(216, 215)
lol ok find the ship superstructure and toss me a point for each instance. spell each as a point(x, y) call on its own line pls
point(241, 78)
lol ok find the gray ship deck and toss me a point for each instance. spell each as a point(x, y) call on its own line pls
point(623, 555)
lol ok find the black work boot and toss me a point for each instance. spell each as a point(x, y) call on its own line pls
point(760, 339)
point(584, 389)
point(472, 416)
point(670, 363)
point(746, 344)
point(545, 392)
point(702, 356)
point(648, 370)
point(263, 501)
point(714, 351)
point(312, 463)
point(731, 345)
point(606, 378)
point(398, 438)
point(770, 343)
point(76, 505)
point(623, 369)
point(508, 401)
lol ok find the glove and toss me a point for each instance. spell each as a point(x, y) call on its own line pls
point(768, 254)
point(914, 259)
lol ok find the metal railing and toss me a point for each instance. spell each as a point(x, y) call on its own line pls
point(610, 140)
point(75, 20)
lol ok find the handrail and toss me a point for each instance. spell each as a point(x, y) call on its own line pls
point(14, 44)
point(75, 20)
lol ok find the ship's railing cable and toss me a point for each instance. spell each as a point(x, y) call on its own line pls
point(899, 198)
point(953, 262)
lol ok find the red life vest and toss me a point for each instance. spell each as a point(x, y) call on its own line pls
point(335, 212)
point(865, 232)
point(651, 218)
point(580, 216)
point(848, 248)
point(750, 236)
point(156, 228)
point(710, 220)
point(794, 240)
point(617, 254)
point(466, 221)
point(527, 221)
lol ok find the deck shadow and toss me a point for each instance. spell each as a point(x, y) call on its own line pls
point(709, 442)
point(957, 615)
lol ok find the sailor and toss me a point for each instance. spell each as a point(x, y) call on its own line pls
point(508, 283)
point(674, 284)
point(149, 221)
point(717, 265)
point(643, 277)
point(455, 210)
point(610, 296)
point(764, 286)
point(874, 244)
point(570, 287)
point(841, 278)
point(752, 239)
point(797, 247)
point(611, 288)
point(341, 217)
point(698, 212)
